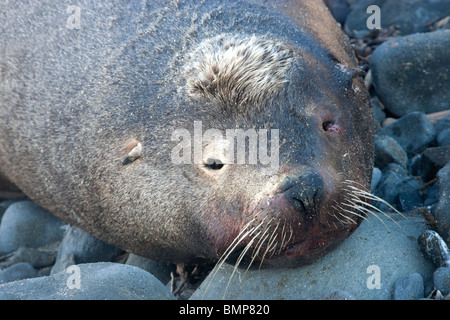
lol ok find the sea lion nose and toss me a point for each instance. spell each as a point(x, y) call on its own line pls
point(304, 192)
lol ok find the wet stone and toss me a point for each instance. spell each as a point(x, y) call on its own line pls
point(412, 132)
point(409, 287)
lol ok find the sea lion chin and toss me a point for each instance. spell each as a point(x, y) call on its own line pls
point(99, 122)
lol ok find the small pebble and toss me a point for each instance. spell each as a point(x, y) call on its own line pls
point(17, 271)
point(434, 248)
point(442, 212)
point(412, 132)
point(160, 270)
point(25, 224)
point(388, 151)
point(409, 287)
point(443, 138)
point(78, 246)
point(441, 279)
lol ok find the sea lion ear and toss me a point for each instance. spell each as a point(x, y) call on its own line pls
point(346, 75)
point(133, 155)
point(355, 73)
point(346, 71)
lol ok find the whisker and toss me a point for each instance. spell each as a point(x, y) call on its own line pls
point(377, 210)
point(238, 262)
point(344, 216)
point(239, 238)
point(364, 217)
point(257, 251)
point(283, 237)
point(363, 192)
point(268, 245)
point(376, 198)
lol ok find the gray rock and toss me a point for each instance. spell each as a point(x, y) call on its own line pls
point(4, 205)
point(351, 267)
point(431, 195)
point(443, 138)
point(397, 181)
point(409, 287)
point(431, 161)
point(434, 248)
point(78, 247)
point(18, 271)
point(376, 177)
point(409, 200)
point(411, 16)
point(37, 257)
point(442, 124)
point(97, 281)
point(411, 73)
point(160, 270)
point(25, 224)
point(356, 22)
point(339, 9)
point(387, 151)
point(441, 280)
point(442, 212)
point(412, 132)
point(378, 114)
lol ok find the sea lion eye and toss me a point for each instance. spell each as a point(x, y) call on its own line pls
point(133, 155)
point(214, 164)
point(331, 126)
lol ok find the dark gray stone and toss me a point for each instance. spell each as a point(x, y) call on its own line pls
point(411, 16)
point(443, 138)
point(411, 73)
point(395, 181)
point(442, 124)
point(412, 132)
point(160, 270)
point(442, 212)
point(441, 279)
point(78, 247)
point(18, 271)
point(339, 9)
point(409, 200)
point(37, 257)
point(431, 161)
point(434, 248)
point(4, 205)
point(378, 114)
point(431, 195)
point(388, 151)
point(98, 281)
point(356, 22)
point(409, 287)
point(376, 177)
point(25, 224)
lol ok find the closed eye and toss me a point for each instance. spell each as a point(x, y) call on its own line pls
point(330, 126)
point(214, 164)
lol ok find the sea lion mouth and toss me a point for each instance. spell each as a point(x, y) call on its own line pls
point(293, 228)
point(295, 254)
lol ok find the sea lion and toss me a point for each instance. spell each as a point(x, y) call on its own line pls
point(97, 100)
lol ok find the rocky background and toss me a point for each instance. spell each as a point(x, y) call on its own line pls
point(403, 257)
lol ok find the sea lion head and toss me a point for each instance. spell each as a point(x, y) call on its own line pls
point(286, 140)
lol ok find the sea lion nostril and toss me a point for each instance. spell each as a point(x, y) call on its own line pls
point(305, 192)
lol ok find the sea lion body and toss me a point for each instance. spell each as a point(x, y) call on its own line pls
point(88, 117)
